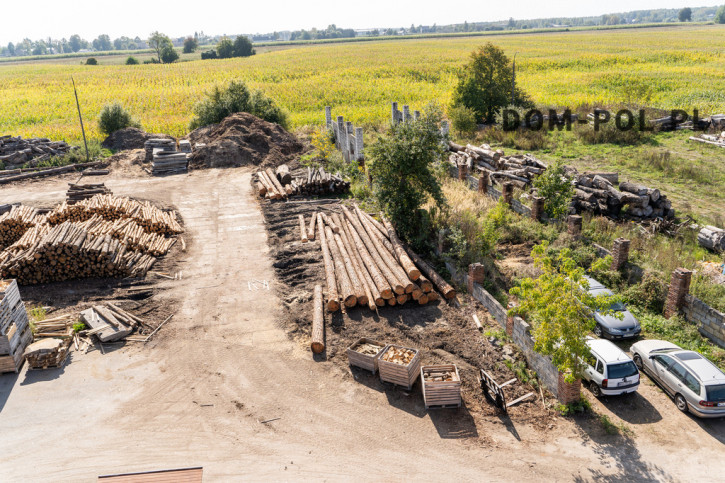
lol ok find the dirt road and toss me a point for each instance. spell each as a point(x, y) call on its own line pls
point(197, 394)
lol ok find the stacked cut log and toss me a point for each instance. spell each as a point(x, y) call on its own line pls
point(16, 152)
point(520, 169)
point(99, 237)
point(14, 223)
point(169, 162)
point(162, 144)
point(317, 182)
point(712, 238)
point(713, 139)
point(79, 192)
point(597, 193)
point(367, 264)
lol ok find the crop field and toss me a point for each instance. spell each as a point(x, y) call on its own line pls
point(674, 67)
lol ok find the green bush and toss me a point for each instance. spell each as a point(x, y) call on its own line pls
point(169, 54)
point(114, 117)
point(236, 97)
point(649, 294)
point(462, 119)
point(243, 47)
point(720, 15)
point(225, 48)
point(91, 61)
point(557, 190)
point(131, 60)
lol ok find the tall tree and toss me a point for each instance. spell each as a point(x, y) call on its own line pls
point(225, 48)
point(243, 47)
point(685, 14)
point(720, 15)
point(159, 43)
point(75, 42)
point(11, 48)
point(190, 44)
point(102, 43)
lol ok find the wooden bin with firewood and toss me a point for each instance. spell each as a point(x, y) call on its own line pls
point(399, 365)
point(362, 354)
point(441, 386)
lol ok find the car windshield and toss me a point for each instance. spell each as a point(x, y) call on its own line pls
point(716, 392)
point(618, 371)
point(617, 307)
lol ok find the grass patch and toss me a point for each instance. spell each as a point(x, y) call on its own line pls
point(577, 407)
point(522, 372)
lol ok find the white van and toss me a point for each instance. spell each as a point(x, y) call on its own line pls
point(609, 370)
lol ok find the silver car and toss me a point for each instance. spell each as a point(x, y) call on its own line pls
point(696, 384)
point(608, 326)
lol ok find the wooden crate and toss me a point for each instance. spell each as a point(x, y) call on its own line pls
point(367, 362)
point(396, 373)
point(441, 394)
point(13, 362)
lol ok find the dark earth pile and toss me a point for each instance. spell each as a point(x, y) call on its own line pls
point(242, 139)
point(130, 138)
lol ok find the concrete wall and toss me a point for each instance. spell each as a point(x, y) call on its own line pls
point(710, 322)
point(547, 372)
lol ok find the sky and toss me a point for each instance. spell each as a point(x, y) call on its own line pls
point(90, 18)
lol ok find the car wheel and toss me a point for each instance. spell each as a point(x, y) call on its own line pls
point(596, 390)
point(638, 362)
point(681, 403)
point(598, 330)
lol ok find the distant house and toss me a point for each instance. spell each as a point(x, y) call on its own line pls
point(367, 32)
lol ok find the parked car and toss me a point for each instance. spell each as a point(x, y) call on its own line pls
point(696, 384)
point(609, 371)
point(609, 326)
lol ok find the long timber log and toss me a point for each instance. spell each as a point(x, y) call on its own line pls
point(333, 297)
point(445, 288)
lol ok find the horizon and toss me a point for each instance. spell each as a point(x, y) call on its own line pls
point(58, 22)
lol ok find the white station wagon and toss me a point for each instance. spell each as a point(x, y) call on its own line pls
point(609, 371)
point(696, 384)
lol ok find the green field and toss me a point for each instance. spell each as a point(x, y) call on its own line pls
point(664, 67)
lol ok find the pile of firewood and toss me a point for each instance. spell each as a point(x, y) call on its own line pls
point(14, 223)
point(520, 169)
point(399, 355)
point(367, 264)
point(99, 237)
point(280, 184)
point(79, 192)
point(16, 152)
point(597, 193)
point(111, 208)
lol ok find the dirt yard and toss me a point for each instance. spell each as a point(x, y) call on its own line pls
point(235, 355)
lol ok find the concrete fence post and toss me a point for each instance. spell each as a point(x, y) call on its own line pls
point(328, 117)
point(339, 132)
point(620, 253)
point(508, 192)
point(574, 226)
point(406, 113)
point(359, 155)
point(483, 183)
point(679, 288)
point(537, 207)
point(394, 113)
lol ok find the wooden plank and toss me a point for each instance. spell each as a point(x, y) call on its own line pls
point(522, 398)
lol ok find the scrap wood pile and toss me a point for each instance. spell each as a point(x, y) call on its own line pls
point(366, 263)
point(597, 193)
point(164, 157)
point(16, 152)
point(58, 327)
point(438, 374)
point(14, 223)
point(47, 352)
point(281, 184)
point(714, 139)
point(79, 192)
point(520, 169)
point(100, 237)
point(110, 323)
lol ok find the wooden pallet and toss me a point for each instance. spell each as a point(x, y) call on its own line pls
point(364, 361)
point(441, 394)
point(396, 373)
point(494, 392)
point(14, 362)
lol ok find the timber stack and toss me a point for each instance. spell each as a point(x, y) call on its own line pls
point(280, 184)
point(367, 264)
point(603, 194)
point(16, 152)
point(158, 144)
point(712, 238)
point(48, 353)
point(520, 169)
point(15, 333)
point(79, 192)
point(169, 162)
point(103, 236)
point(713, 139)
point(14, 223)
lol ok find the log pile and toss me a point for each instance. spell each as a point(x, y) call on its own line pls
point(598, 193)
point(14, 223)
point(317, 182)
point(715, 140)
point(16, 152)
point(99, 237)
point(520, 169)
point(367, 264)
point(712, 238)
point(399, 355)
point(79, 192)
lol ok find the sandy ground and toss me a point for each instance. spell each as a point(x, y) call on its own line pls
point(196, 395)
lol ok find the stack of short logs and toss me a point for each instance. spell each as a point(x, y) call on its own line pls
point(367, 264)
point(280, 184)
point(100, 237)
point(16, 152)
point(14, 223)
point(519, 169)
point(79, 192)
point(597, 193)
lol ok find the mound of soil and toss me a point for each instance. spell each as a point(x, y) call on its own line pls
point(130, 138)
point(243, 139)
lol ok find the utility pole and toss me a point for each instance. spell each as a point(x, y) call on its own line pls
point(81, 118)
